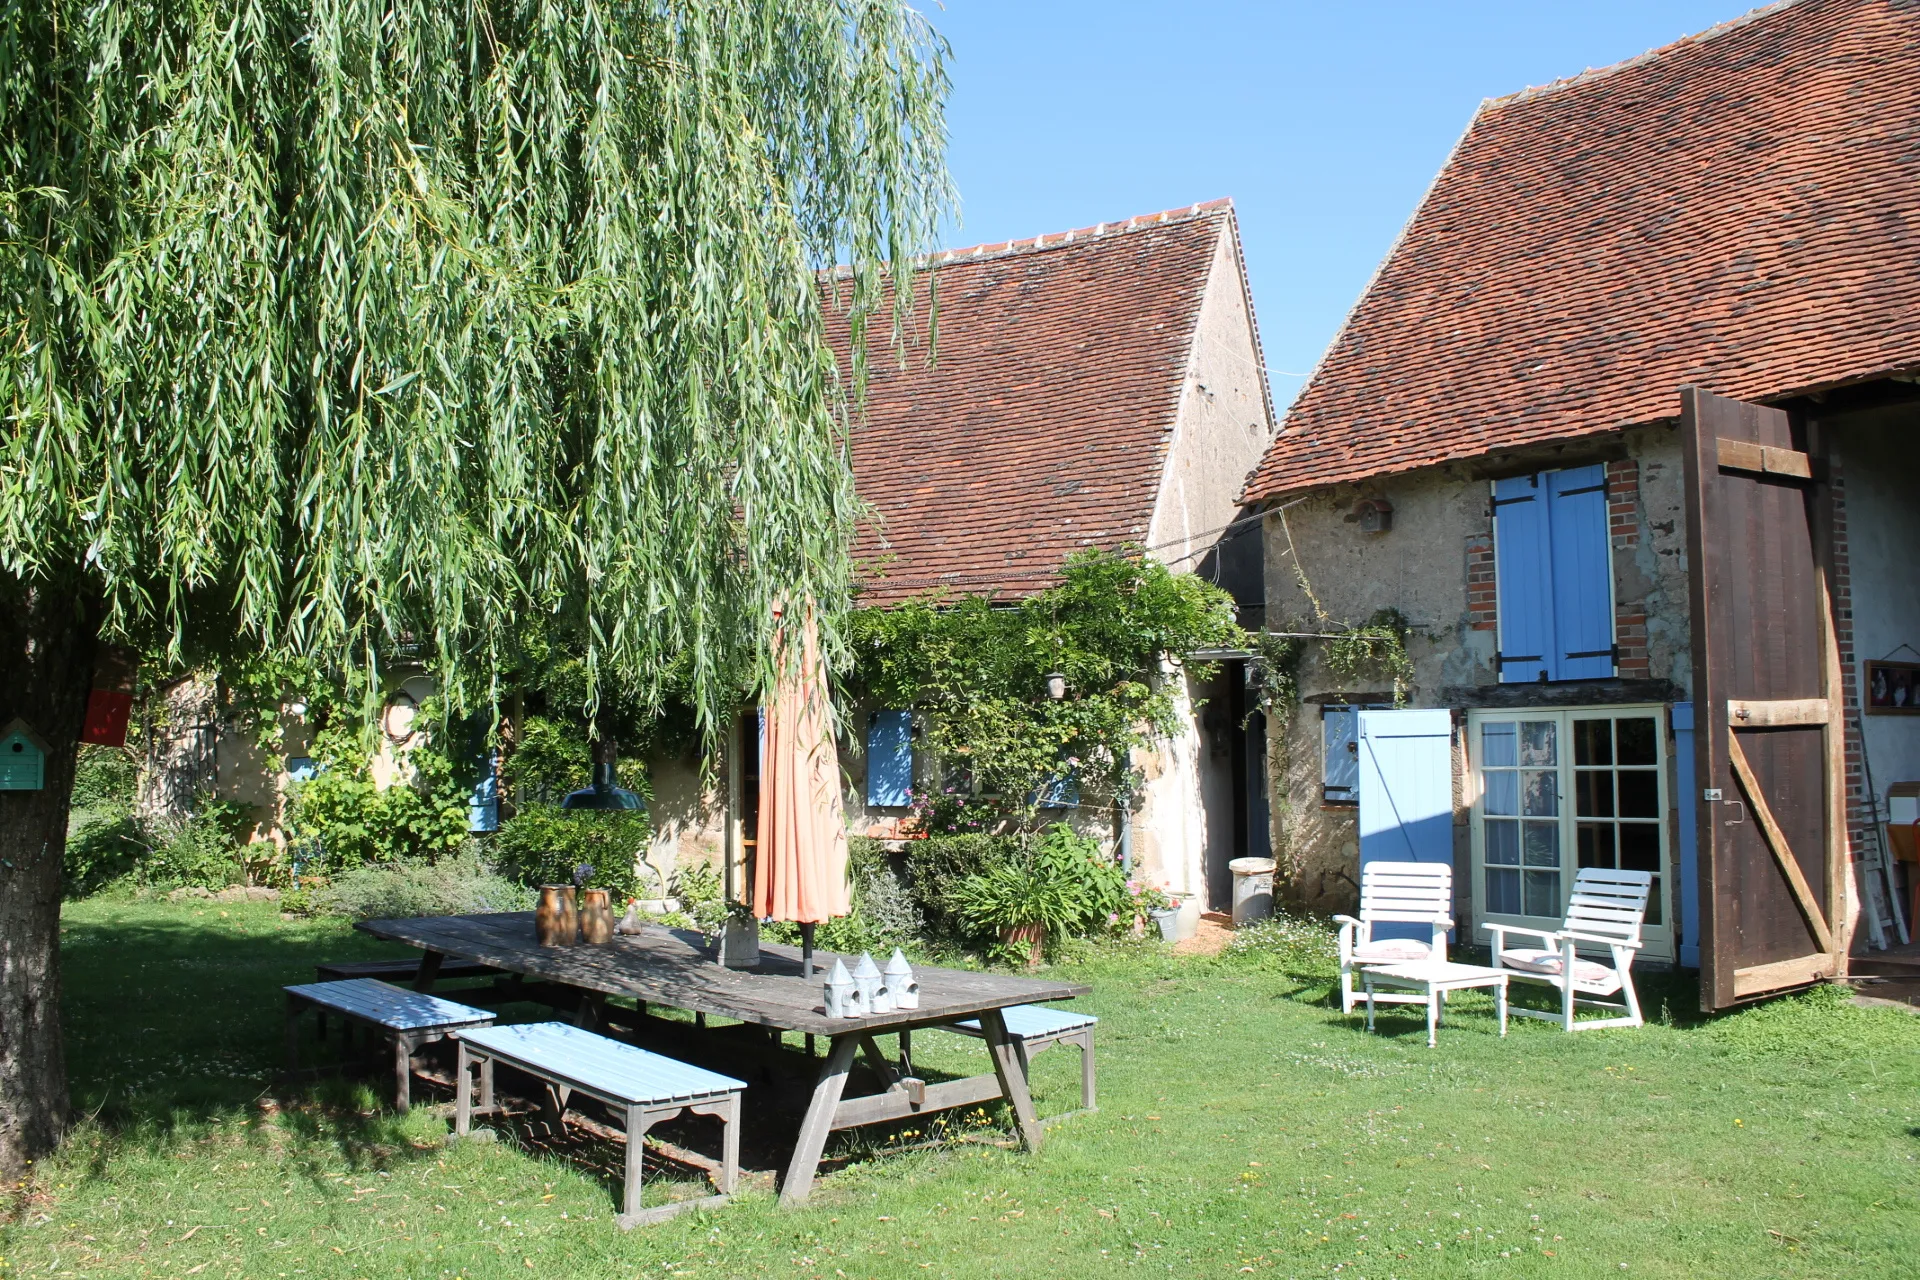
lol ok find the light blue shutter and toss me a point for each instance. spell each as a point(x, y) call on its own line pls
point(1582, 574)
point(1339, 755)
point(1523, 572)
point(889, 759)
point(1062, 792)
point(1406, 793)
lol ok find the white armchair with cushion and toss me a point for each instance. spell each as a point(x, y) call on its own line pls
point(1418, 893)
point(1607, 910)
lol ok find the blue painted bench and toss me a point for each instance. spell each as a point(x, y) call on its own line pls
point(646, 1087)
point(406, 1019)
point(1033, 1027)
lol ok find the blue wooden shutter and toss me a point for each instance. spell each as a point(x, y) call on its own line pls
point(889, 759)
point(1406, 792)
point(1339, 755)
point(1689, 836)
point(1582, 574)
point(1062, 792)
point(1523, 569)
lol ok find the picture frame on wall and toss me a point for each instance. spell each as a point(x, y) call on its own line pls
point(1893, 688)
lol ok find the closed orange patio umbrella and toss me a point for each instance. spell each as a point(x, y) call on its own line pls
point(800, 863)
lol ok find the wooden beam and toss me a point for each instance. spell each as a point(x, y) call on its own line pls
point(1754, 714)
point(1762, 978)
point(1840, 906)
point(1745, 455)
point(1777, 841)
point(898, 1104)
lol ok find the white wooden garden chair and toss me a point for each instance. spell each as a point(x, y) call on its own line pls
point(1395, 893)
point(1607, 910)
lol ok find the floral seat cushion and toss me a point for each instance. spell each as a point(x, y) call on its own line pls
point(1391, 951)
point(1586, 973)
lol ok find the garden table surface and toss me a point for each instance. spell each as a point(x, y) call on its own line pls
point(679, 969)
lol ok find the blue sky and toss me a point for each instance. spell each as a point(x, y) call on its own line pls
point(1324, 122)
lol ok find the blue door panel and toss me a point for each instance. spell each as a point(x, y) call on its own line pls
point(1406, 792)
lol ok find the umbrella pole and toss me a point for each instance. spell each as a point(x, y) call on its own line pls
point(806, 951)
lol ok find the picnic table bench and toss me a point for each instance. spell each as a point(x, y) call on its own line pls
point(678, 969)
point(408, 1020)
point(645, 1088)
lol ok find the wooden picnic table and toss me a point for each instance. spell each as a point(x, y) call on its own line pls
point(678, 969)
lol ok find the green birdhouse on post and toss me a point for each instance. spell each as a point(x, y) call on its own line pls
point(23, 758)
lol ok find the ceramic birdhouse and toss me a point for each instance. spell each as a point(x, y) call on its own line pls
point(900, 982)
point(23, 758)
point(841, 994)
point(866, 977)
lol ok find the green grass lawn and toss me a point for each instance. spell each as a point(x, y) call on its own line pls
point(1245, 1127)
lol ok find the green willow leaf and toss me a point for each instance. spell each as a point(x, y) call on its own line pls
point(360, 327)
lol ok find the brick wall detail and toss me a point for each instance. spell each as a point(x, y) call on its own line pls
point(1623, 526)
point(1483, 612)
point(1861, 826)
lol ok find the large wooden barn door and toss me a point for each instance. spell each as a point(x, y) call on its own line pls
point(1767, 695)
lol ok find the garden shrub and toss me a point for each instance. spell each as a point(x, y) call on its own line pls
point(1063, 883)
point(456, 885)
point(883, 914)
point(937, 865)
point(343, 819)
point(100, 853)
point(543, 843)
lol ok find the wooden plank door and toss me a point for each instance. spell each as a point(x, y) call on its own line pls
point(1771, 824)
point(1406, 792)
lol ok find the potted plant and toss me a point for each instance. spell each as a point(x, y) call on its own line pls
point(1163, 911)
point(739, 937)
point(1020, 903)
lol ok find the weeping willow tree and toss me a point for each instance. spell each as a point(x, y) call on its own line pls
point(333, 326)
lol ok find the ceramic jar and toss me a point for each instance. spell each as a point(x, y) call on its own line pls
point(556, 921)
point(596, 917)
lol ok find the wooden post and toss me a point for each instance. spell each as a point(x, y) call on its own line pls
point(428, 972)
point(730, 1146)
point(798, 1184)
point(402, 1072)
point(462, 1090)
point(1013, 1078)
point(636, 1153)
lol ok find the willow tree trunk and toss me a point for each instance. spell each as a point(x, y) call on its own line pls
point(48, 636)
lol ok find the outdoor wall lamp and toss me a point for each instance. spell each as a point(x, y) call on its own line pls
point(1056, 685)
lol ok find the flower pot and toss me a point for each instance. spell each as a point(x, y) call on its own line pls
point(1167, 920)
point(1032, 936)
point(556, 921)
point(740, 943)
point(596, 917)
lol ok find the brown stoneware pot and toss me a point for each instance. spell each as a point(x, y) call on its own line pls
point(596, 917)
point(556, 922)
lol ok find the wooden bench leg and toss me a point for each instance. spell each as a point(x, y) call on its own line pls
point(486, 1083)
point(463, 1088)
point(1086, 1069)
point(730, 1146)
point(402, 1073)
point(636, 1155)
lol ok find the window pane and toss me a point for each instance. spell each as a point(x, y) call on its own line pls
point(1639, 793)
point(1596, 844)
point(1593, 793)
point(1503, 793)
point(1541, 844)
point(1497, 745)
point(1636, 736)
point(1541, 793)
point(1593, 742)
point(1539, 743)
point(1543, 894)
point(1503, 841)
point(1503, 892)
point(1640, 846)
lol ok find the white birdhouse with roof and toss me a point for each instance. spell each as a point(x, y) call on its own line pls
point(23, 758)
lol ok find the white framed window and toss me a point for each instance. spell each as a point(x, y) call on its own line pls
point(1556, 790)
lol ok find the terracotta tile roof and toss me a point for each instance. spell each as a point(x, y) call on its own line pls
point(1736, 210)
point(1044, 423)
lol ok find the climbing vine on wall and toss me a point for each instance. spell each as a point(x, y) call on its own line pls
point(978, 668)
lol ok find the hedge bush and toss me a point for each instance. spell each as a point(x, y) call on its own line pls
point(543, 843)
